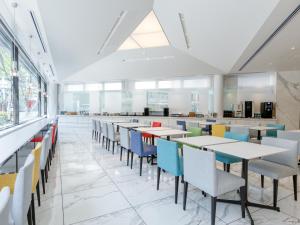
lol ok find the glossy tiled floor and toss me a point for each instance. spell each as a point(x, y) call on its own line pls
point(90, 186)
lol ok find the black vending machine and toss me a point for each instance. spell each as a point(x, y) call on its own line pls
point(248, 109)
point(266, 109)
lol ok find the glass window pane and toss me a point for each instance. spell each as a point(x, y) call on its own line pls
point(6, 106)
point(28, 91)
point(113, 86)
point(93, 87)
point(199, 83)
point(144, 85)
point(169, 84)
point(75, 87)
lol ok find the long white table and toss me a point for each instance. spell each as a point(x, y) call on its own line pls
point(247, 151)
point(131, 125)
point(203, 141)
point(147, 129)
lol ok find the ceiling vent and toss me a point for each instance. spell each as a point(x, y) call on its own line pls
point(112, 31)
point(183, 26)
point(37, 28)
point(275, 33)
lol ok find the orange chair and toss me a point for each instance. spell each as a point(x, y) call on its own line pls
point(148, 136)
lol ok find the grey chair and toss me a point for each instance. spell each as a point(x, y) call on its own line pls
point(104, 134)
point(200, 170)
point(124, 142)
point(112, 136)
point(4, 206)
point(240, 130)
point(94, 128)
point(44, 159)
point(277, 166)
point(290, 135)
point(99, 130)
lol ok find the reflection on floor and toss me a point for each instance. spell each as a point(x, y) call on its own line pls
point(88, 185)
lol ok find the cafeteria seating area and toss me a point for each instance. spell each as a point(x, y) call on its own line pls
point(159, 112)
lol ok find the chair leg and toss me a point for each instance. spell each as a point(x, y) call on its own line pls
point(46, 176)
point(275, 192)
point(29, 216)
point(186, 184)
point(43, 180)
point(213, 210)
point(176, 188)
point(158, 177)
point(228, 168)
point(121, 149)
point(32, 209)
point(128, 152)
point(141, 165)
point(262, 181)
point(243, 200)
point(38, 194)
point(295, 186)
point(113, 145)
point(102, 141)
point(131, 160)
point(224, 166)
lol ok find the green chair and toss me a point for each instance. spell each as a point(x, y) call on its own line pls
point(195, 131)
point(273, 133)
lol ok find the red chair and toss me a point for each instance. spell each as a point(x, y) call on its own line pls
point(148, 136)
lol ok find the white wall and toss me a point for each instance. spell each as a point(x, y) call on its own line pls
point(52, 101)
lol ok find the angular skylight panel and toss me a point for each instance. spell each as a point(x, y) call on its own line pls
point(147, 35)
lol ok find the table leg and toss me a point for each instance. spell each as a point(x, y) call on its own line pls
point(168, 138)
point(209, 129)
point(152, 140)
point(17, 162)
point(259, 135)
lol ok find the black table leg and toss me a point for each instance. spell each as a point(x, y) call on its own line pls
point(259, 135)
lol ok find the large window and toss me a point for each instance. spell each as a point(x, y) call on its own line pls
point(6, 109)
point(28, 91)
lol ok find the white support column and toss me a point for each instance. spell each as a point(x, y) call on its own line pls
point(218, 95)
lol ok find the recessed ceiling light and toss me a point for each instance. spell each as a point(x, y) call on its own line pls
point(293, 48)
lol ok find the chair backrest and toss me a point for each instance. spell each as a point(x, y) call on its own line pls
point(289, 135)
point(4, 206)
point(98, 126)
point(111, 131)
point(288, 158)
point(195, 131)
point(218, 130)
point(104, 129)
point(209, 120)
point(54, 127)
point(273, 133)
point(124, 138)
point(239, 130)
point(36, 152)
point(200, 169)
point(22, 192)
point(44, 151)
point(94, 124)
point(181, 124)
point(156, 124)
point(134, 120)
point(136, 142)
point(236, 136)
point(168, 157)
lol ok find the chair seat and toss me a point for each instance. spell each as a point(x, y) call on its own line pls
point(37, 139)
point(228, 182)
point(271, 169)
point(227, 158)
point(149, 150)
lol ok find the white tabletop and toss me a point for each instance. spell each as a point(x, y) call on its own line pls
point(294, 131)
point(131, 125)
point(146, 129)
point(202, 141)
point(262, 128)
point(206, 123)
point(170, 132)
point(246, 150)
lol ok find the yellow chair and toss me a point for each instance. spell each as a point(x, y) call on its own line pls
point(218, 130)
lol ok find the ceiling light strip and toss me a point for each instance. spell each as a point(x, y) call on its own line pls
point(38, 30)
point(182, 21)
point(112, 31)
point(279, 28)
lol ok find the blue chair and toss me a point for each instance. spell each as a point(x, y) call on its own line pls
point(227, 159)
point(168, 159)
point(273, 133)
point(140, 148)
point(181, 125)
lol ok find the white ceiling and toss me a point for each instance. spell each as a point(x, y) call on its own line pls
point(222, 36)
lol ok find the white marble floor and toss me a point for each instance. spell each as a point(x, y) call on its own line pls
point(88, 185)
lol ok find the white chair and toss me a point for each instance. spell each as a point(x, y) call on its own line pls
point(278, 166)
point(112, 136)
point(290, 135)
point(4, 206)
point(44, 159)
point(200, 170)
point(94, 128)
point(99, 130)
point(105, 134)
point(124, 142)
point(21, 186)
